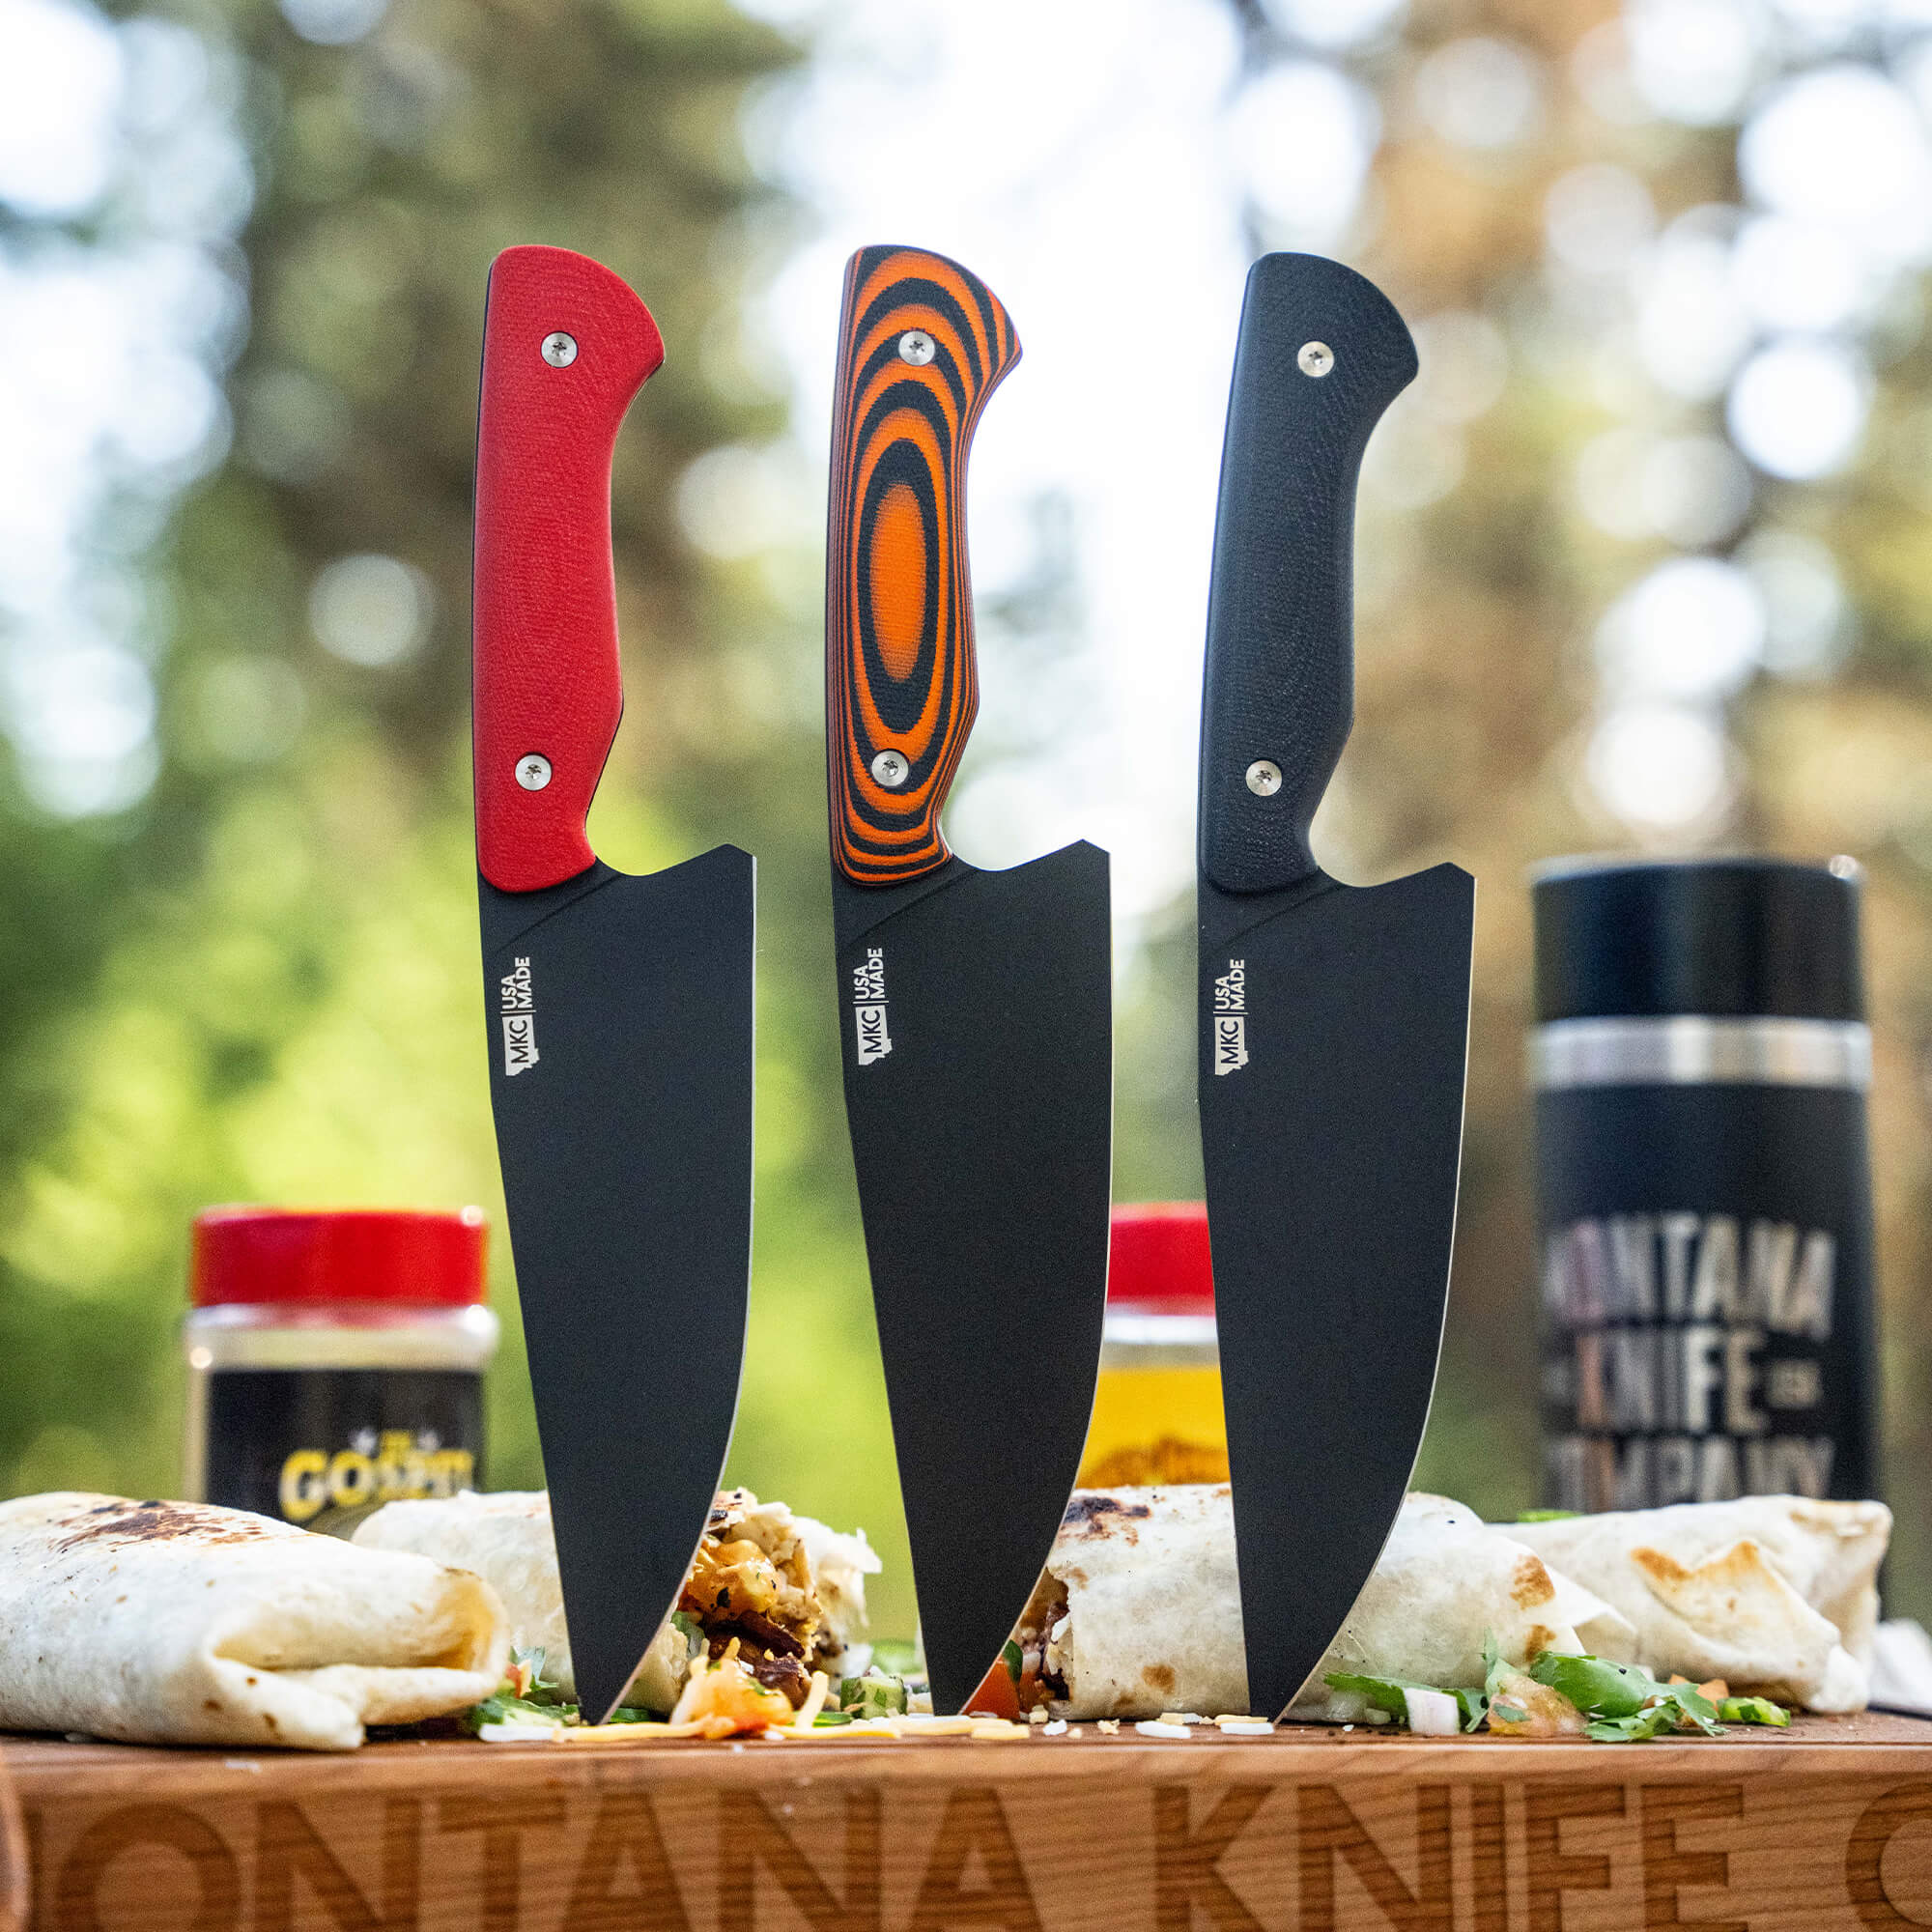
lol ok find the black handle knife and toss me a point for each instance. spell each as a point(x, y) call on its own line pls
point(1334, 1020)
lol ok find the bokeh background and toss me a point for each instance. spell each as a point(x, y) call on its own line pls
point(1643, 562)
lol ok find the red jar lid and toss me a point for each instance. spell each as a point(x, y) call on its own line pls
point(275, 1256)
point(1159, 1259)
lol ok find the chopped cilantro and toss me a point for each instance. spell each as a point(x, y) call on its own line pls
point(526, 1669)
point(1495, 1668)
point(1596, 1688)
point(503, 1708)
point(1753, 1711)
point(1623, 1703)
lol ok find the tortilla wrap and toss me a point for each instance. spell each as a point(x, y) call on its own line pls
point(811, 1586)
point(1140, 1609)
point(178, 1623)
point(1776, 1595)
point(1445, 1580)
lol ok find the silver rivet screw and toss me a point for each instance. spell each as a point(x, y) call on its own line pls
point(918, 348)
point(891, 770)
point(559, 349)
point(1263, 777)
point(533, 771)
point(1315, 358)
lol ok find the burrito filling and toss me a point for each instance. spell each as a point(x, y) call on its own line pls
point(751, 1581)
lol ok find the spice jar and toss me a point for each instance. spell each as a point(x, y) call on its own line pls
point(335, 1360)
point(1700, 1066)
point(1157, 1414)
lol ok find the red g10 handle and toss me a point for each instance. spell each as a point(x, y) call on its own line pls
point(566, 346)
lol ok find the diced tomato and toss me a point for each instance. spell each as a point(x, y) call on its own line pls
point(997, 1695)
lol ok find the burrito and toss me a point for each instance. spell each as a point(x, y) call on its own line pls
point(1139, 1611)
point(789, 1590)
point(1447, 1582)
point(1776, 1595)
point(177, 1622)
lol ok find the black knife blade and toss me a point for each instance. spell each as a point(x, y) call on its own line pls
point(619, 1006)
point(974, 1006)
point(1334, 1019)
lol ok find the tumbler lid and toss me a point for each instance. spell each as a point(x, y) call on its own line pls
point(1732, 937)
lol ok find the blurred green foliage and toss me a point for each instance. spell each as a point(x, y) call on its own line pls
point(263, 984)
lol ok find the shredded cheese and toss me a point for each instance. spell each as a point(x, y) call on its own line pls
point(814, 1701)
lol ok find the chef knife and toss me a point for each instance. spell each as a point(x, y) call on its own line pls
point(619, 1006)
point(1334, 1019)
point(974, 1006)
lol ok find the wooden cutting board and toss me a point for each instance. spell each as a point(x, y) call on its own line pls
point(1829, 1825)
point(12, 1858)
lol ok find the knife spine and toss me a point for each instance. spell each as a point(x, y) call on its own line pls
point(922, 344)
point(1322, 355)
point(566, 346)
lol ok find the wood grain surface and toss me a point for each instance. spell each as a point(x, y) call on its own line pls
point(13, 1876)
point(1827, 1826)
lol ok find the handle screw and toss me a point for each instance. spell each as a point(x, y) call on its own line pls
point(533, 771)
point(1315, 358)
point(918, 348)
point(891, 770)
point(559, 349)
point(1263, 777)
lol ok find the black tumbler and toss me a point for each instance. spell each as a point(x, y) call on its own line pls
point(1700, 1063)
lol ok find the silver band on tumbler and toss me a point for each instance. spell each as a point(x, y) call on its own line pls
point(1690, 1050)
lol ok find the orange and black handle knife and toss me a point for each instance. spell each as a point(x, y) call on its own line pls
point(1333, 1019)
point(619, 1007)
point(974, 1006)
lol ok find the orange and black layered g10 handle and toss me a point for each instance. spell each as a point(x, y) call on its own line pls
point(566, 345)
point(921, 345)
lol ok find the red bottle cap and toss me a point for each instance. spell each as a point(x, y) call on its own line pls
point(278, 1255)
point(1159, 1259)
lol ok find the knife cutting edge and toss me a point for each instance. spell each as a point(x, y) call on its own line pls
point(974, 1006)
point(619, 1007)
point(1334, 1019)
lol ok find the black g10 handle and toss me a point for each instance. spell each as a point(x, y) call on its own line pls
point(1322, 355)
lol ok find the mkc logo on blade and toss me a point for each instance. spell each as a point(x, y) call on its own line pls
point(1230, 1018)
point(869, 1006)
point(517, 1005)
